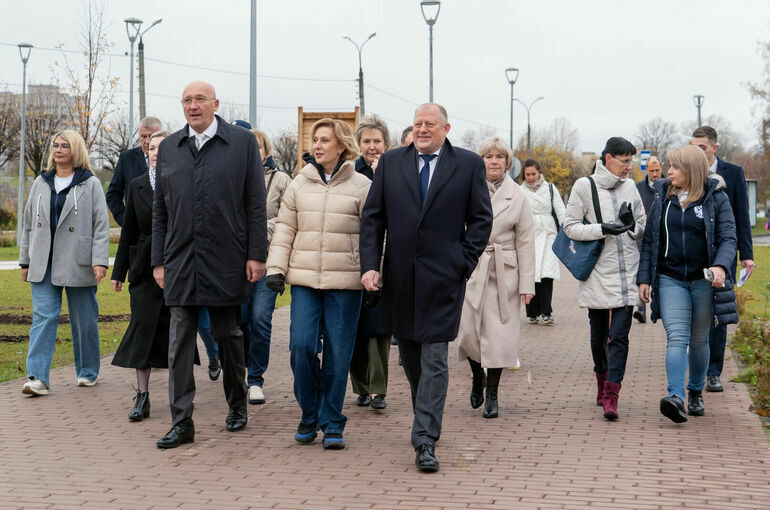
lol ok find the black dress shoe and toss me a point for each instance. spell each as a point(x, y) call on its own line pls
point(673, 408)
point(695, 405)
point(640, 317)
point(179, 434)
point(426, 459)
point(713, 384)
point(378, 402)
point(477, 387)
point(141, 408)
point(215, 368)
point(236, 418)
point(363, 400)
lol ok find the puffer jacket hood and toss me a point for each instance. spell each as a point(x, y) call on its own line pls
point(612, 283)
point(315, 243)
point(721, 242)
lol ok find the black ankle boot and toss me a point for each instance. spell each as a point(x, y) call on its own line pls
point(695, 403)
point(141, 408)
point(479, 381)
point(490, 409)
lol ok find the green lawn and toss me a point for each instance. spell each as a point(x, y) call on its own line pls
point(15, 299)
point(755, 285)
point(12, 252)
point(760, 227)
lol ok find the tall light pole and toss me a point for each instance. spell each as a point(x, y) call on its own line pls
point(142, 105)
point(529, 127)
point(133, 25)
point(24, 50)
point(698, 100)
point(511, 74)
point(430, 10)
point(360, 71)
point(253, 67)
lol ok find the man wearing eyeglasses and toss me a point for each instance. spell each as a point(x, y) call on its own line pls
point(209, 240)
point(705, 137)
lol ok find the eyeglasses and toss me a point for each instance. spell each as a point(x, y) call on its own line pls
point(624, 162)
point(188, 101)
point(63, 146)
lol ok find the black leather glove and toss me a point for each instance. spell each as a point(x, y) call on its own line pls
point(371, 299)
point(275, 283)
point(615, 229)
point(625, 214)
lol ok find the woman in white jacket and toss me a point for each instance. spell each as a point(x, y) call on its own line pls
point(548, 213)
point(610, 291)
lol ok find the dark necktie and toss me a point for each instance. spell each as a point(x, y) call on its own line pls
point(425, 175)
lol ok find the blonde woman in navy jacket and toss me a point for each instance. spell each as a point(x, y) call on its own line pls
point(690, 228)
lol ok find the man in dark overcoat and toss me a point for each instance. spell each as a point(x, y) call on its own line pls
point(131, 164)
point(432, 200)
point(654, 172)
point(705, 137)
point(209, 240)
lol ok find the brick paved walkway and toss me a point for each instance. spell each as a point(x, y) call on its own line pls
point(550, 448)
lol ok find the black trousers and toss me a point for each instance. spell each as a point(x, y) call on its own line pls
point(609, 340)
point(225, 327)
point(426, 368)
point(541, 301)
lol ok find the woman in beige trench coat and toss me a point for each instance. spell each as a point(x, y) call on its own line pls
point(503, 279)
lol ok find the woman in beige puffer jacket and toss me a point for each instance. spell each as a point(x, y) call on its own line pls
point(315, 249)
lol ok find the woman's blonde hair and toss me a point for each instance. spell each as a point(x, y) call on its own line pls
point(163, 133)
point(342, 132)
point(501, 145)
point(77, 147)
point(264, 141)
point(692, 162)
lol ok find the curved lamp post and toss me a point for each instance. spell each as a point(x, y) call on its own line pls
point(698, 100)
point(360, 71)
point(142, 104)
point(24, 50)
point(511, 74)
point(529, 129)
point(133, 25)
point(430, 10)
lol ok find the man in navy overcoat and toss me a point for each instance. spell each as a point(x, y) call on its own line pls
point(705, 137)
point(432, 201)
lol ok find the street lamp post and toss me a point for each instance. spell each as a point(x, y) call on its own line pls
point(511, 74)
point(24, 50)
point(360, 71)
point(133, 25)
point(142, 104)
point(698, 100)
point(529, 127)
point(253, 66)
point(430, 10)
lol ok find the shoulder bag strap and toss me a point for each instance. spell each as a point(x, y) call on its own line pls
point(553, 211)
point(595, 198)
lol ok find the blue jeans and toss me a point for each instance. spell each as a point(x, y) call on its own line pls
point(320, 387)
point(204, 330)
point(685, 308)
point(257, 319)
point(84, 323)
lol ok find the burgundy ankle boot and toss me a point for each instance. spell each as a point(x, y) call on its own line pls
point(610, 402)
point(600, 378)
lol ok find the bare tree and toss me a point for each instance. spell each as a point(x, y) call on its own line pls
point(760, 92)
point(730, 146)
point(657, 135)
point(45, 116)
point(562, 135)
point(88, 90)
point(10, 125)
point(285, 151)
point(114, 138)
point(473, 138)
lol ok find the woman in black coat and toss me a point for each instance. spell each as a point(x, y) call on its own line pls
point(145, 343)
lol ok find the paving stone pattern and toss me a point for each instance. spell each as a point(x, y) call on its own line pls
point(550, 447)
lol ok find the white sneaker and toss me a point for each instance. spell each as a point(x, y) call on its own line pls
point(34, 387)
point(82, 381)
point(255, 395)
point(533, 320)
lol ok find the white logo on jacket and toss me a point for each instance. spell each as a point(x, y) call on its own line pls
point(699, 211)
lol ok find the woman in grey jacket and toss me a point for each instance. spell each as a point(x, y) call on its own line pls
point(610, 292)
point(64, 244)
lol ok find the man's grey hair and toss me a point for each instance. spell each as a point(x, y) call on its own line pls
point(405, 132)
point(151, 123)
point(441, 109)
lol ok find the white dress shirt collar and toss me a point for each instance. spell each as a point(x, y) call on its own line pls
point(432, 164)
point(207, 134)
point(713, 168)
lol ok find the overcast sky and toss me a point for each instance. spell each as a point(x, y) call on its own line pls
point(606, 66)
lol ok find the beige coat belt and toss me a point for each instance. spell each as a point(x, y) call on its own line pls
point(492, 254)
